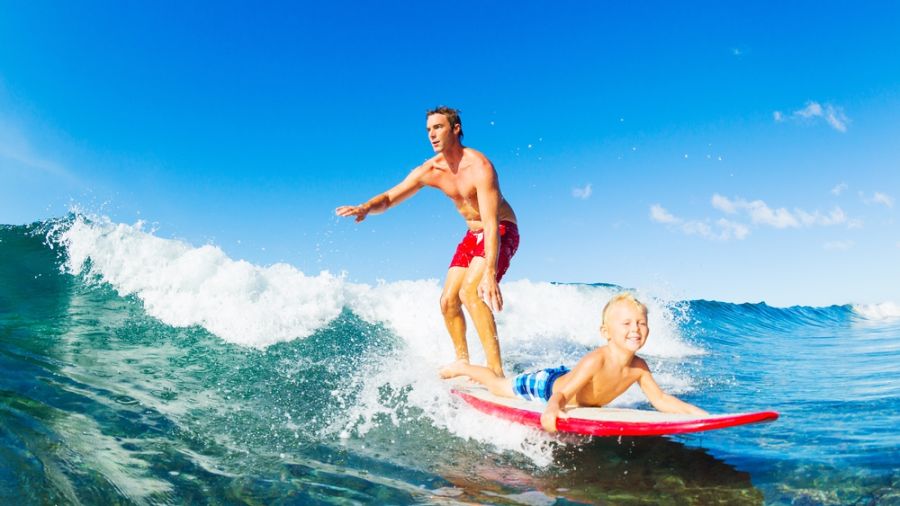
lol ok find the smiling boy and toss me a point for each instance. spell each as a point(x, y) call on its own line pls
point(598, 378)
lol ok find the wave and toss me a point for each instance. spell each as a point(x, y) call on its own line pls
point(182, 285)
point(271, 358)
point(882, 311)
point(269, 307)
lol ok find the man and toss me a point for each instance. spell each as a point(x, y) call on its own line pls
point(481, 259)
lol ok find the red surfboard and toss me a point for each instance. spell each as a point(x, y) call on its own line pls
point(602, 421)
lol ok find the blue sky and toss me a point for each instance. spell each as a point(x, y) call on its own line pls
point(701, 150)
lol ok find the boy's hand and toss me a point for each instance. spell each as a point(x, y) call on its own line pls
point(549, 417)
point(548, 421)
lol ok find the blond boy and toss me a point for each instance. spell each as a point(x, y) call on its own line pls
point(597, 379)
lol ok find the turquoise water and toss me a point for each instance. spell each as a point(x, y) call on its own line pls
point(141, 370)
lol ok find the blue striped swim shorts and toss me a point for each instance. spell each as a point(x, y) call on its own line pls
point(538, 384)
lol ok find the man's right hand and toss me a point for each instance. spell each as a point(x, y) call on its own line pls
point(359, 211)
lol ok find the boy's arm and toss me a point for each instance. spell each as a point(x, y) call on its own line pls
point(382, 202)
point(581, 374)
point(661, 400)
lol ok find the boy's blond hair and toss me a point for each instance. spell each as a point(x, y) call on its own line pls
point(619, 297)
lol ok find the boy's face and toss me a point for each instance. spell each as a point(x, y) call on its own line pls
point(626, 326)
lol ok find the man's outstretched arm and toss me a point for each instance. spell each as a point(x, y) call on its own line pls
point(384, 201)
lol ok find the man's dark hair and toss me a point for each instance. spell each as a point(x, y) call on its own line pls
point(451, 114)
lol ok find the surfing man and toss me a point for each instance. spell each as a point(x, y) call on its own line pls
point(483, 256)
point(598, 378)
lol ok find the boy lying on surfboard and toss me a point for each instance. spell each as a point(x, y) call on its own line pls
point(597, 379)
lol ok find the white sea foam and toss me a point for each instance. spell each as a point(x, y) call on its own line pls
point(883, 311)
point(542, 323)
point(183, 285)
point(257, 306)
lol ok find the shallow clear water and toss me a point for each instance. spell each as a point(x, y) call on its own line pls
point(142, 370)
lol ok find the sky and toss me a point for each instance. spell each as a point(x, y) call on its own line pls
point(740, 152)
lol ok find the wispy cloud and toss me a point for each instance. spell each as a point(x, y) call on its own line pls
point(761, 214)
point(720, 230)
point(582, 193)
point(814, 111)
point(839, 188)
point(878, 198)
point(756, 211)
point(659, 214)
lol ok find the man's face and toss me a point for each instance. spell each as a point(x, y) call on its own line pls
point(440, 133)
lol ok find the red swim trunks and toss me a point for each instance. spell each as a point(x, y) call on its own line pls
point(472, 245)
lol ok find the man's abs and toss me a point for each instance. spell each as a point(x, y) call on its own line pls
point(474, 222)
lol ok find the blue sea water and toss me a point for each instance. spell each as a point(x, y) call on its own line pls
point(143, 370)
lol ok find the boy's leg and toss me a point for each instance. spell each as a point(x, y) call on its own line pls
point(481, 315)
point(497, 385)
point(451, 309)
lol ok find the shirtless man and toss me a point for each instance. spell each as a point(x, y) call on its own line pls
point(481, 259)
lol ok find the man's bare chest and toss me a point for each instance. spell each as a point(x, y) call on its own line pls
point(457, 186)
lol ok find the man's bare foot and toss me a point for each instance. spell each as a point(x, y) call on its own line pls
point(453, 369)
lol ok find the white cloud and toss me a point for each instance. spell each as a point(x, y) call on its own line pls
point(838, 245)
point(723, 204)
point(835, 217)
point(839, 188)
point(739, 230)
point(723, 230)
point(812, 109)
point(836, 118)
point(878, 198)
point(832, 115)
point(761, 214)
point(582, 193)
point(757, 211)
point(660, 215)
point(881, 198)
point(778, 218)
point(697, 228)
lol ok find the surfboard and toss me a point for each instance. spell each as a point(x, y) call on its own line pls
point(601, 421)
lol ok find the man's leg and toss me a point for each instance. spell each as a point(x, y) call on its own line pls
point(495, 384)
point(481, 314)
point(451, 308)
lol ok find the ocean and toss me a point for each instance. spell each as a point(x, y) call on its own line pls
point(143, 370)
